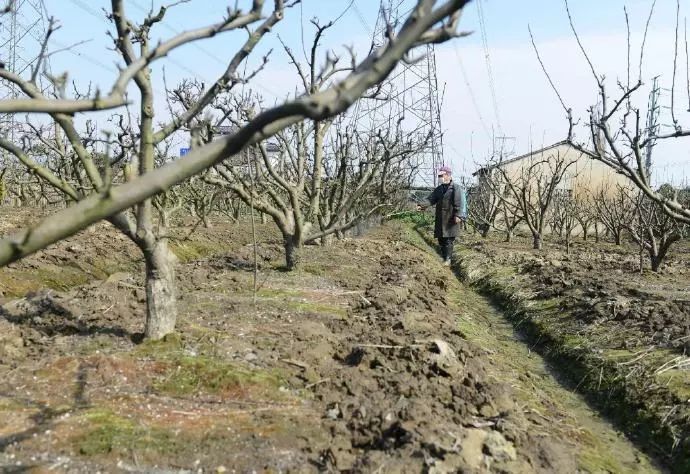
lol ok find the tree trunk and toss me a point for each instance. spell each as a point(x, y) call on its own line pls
point(656, 261)
point(509, 235)
point(327, 240)
point(291, 252)
point(617, 236)
point(584, 232)
point(536, 242)
point(161, 301)
point(485, 231)
point(596, 233)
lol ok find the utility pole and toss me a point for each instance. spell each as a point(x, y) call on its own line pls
point(652, 129)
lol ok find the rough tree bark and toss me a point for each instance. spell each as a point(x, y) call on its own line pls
point(161, 308)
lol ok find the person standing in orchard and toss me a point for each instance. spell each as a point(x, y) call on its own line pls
point(451, 211)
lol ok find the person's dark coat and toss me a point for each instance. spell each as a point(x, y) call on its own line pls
point(449, 202)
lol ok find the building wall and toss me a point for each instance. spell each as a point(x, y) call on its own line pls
point(583, 178)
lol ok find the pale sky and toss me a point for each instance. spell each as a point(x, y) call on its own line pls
point(525, 109)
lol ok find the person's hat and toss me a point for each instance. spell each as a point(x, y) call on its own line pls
point(444, 169)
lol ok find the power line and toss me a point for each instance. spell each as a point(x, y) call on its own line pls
point(487, 58)
point(88, 9)
point(361, 19)
point(471, 91)
point(84, 56)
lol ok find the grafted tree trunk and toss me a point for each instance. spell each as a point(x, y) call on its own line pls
point(537, 242)
point(161, 309)
point(657, 260)
point(657, 254)
point(327, 240)
point(291, 245)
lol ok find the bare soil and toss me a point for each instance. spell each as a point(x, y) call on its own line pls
point(601, 285)
point(359, 362)
point(629, 332)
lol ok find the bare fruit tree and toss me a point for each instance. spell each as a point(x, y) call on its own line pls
point(85, 173)
point(586, 215)
point(615, 210)
point(623, 141)
point(483, 208)
point(103, 197)
point(511, 218)
point(353, 180)
point(564, 217)
point(653, 229)
point(528, 190)
point(365, 174)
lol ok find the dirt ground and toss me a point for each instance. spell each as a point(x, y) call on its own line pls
point(596, 301)
point(355, 363)
point(602, 286)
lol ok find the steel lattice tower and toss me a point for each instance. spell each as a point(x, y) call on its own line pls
point(412, 92)
point(22, 32)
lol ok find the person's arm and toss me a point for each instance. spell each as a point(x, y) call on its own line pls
point(435, 196)
point(459, 204)
point(431, 199)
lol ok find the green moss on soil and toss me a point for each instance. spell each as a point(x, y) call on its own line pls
point(8, 404)
point(277, 293)
point(188, 251)
point(102, 267)
point(17, 283)
point(315, 269)
point(170, 345)
point(295, 301)
point(185, 374)
point(108, 433)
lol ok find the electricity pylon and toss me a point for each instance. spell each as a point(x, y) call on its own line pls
point(410, 92)
point(22, 33)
